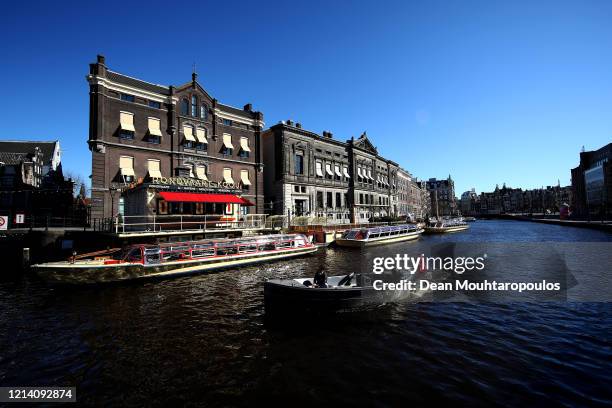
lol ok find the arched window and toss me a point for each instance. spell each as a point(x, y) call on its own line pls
point(184, 107)
point(204, 112)
point(194, 106)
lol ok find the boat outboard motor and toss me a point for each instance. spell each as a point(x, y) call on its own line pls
point(346, 281)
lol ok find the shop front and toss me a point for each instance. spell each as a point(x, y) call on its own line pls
point(185, 196)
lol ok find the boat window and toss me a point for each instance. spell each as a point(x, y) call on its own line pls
point(200, 253)
point(283, 244)
point(247, 248)
point(152, 256)
point(227, 250)
point(267, 246)
point(299, 242)
point(135, 255)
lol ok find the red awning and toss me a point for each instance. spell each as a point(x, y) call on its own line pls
point(203, 198)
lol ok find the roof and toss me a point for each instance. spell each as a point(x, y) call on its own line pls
point(11, 159)
point(128, 80)
point(236, 111)
point(24, 146)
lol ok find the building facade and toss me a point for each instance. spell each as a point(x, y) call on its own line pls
point(413, 198)
point(507, 200)
point(442, 193)
point(32, 184)
point(316, 176)
point(470, 203)
point(170, 139)
point(592, 183)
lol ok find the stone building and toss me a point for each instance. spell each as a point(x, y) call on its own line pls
point(314, 175)
point(171, 139)
point(413, 198)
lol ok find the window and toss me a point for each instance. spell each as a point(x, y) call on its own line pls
point(296, 189)
point(337, 172)
point(155, 104)
point(200, 172)
point(330, 198)
point(319, 199)
point(126, 168)
point(201, 141)
point(227, 175)
point(126, 125)
point(194, 106)
point(361, 199)
point(184, 107)
point(319, 168)
point(244, 147)
point(154, 130)
point(204, 112)
point(154, 167)
point(299, 163)
point(228, 147)
point(227, 122)
point(338, 200)
point(244, 179)
point(189, 141)
point(127, 97)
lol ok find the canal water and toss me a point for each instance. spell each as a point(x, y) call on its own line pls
point(203, 340)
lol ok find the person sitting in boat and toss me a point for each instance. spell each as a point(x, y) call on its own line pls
point(320, 278)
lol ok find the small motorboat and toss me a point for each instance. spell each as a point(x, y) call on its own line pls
point(299, 296)
point(449, 225)
point(176, 258)
point(469, 219)
point(360, 237)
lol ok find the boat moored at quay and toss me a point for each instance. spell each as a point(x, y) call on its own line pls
point(178, 258)
point(361, 237)
point(449, 225)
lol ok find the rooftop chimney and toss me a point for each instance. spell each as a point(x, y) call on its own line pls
point(248, 107)
point(298, 125)
point(289, 122)
point(101, 59)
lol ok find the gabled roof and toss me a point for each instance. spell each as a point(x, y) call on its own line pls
point(364, 143)
point(47, 148)
point(11, 159)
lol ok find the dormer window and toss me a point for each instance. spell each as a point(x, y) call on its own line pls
point(204, 112)
point(194, 106)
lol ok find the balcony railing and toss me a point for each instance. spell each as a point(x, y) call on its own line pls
point(135, 224)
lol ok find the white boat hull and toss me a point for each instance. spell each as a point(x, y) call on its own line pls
point(359, 243)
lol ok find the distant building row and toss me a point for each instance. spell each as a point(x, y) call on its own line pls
point(508, 200)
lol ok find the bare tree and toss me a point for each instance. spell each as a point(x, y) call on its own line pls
point(79, 185)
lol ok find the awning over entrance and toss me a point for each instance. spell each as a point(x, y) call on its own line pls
point(203, 198)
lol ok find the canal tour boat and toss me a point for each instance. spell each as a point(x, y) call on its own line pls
point(442, 226)
point(176, 258)
point(360, 237)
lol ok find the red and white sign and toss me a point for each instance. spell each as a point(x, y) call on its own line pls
point(19, 218)
point(3, 222)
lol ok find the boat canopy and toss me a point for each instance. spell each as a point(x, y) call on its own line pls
point(365, 233)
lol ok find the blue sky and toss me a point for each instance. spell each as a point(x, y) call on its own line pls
point(488, 91)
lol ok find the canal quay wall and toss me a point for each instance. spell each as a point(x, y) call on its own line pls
point(596, 225)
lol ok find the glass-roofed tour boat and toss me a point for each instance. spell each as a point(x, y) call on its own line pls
point(176, 258)
point(360, 237)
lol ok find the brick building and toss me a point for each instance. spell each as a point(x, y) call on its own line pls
point(147, 138)
point(442, 193)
